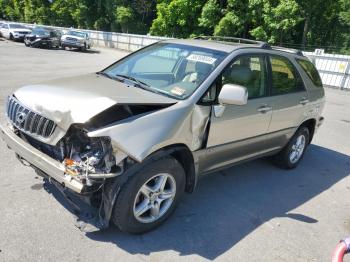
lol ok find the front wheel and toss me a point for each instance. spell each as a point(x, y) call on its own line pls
point(294, 151)
point(83, 49)
point(149, 196)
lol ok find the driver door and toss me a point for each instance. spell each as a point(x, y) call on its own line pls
point(238, 133)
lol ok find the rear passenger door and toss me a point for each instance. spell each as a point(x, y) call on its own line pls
point(288, 99)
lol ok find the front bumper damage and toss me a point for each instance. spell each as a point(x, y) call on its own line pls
point(81, 199)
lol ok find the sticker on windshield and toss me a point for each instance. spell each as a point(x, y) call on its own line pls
point(178, 91)
point(201, 58)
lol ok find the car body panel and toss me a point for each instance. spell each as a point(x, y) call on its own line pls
point(68, 101)
point(181, 124)
point(237, 121)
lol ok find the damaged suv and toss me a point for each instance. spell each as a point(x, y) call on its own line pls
point(132, 138)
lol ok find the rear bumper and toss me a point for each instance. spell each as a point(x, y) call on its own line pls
point(50, 166)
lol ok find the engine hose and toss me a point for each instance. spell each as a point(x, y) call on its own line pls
point(341, 249)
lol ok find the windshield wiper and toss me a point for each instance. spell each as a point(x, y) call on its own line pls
point(140, 84)
point(135, 80)
point(106, 75)
point(144, 85)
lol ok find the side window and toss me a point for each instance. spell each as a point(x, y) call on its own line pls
point(311, 71)
point(285, 78)
point(250, 72)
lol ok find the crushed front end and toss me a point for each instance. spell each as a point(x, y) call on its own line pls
point(78, 166)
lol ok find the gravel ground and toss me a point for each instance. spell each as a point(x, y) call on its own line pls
point(251, 212)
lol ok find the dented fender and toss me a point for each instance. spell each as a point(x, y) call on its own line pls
point(140, 136)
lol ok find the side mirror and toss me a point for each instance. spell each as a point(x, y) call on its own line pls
point(231, 94)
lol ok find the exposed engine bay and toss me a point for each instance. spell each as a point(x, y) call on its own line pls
point(83, 157)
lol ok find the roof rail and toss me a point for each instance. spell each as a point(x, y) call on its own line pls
point(289, 50)
point(261, 44)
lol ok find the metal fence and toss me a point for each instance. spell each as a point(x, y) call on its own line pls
point(334, 69)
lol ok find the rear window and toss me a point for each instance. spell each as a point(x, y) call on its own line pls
point(311, 71)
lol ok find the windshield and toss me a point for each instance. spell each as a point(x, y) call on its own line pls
point(40, 31)
point(75, 33)
point(171, 69)
point(17, 26)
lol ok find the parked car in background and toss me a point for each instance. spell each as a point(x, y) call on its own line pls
point(131, 139)
point(76, 39)
point(15, 32)
point(43, 37)
point(1, 23)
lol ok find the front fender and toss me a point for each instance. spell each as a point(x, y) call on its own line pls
point(140, 136)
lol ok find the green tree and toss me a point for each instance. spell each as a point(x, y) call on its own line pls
point(210, 16)
point(12, 9)
point(124, 16)
point(230, 25)
point(177, 18)
point(278, 22)
point(344, 16)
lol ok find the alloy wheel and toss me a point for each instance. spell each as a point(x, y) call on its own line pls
point(154, 198)
point(297, 149)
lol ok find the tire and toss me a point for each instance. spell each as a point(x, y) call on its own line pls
point(294, 151)
point(131, 199)
point(83, 49)
point(11, 37)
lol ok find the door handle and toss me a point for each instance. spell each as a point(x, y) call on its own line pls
point(264, 109)
point(304, 101)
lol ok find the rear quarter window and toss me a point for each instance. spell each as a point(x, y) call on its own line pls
point(285, 77)
point(311, 71)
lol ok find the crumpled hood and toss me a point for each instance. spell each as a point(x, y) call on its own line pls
point(77, 99)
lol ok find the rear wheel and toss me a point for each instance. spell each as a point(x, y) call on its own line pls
point(294, 151)
point(149, 196)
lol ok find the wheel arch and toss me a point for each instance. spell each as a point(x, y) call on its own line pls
point(185, 157)
point(311, 125)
